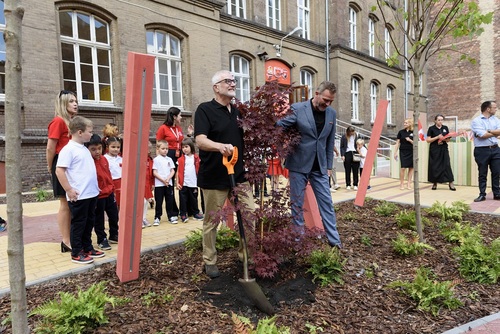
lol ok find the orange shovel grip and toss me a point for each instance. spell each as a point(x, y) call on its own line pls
point(230, 163)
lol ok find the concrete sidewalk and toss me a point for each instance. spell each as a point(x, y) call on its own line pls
point(41, 234)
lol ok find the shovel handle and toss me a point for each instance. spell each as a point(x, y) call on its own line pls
point(230, 163)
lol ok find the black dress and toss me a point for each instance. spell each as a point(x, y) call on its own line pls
point(439, 157)
point(405, 148)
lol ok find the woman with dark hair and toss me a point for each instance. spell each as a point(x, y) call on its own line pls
point(439, 158)
point(347, 151)
point(66, 107)
point(404, 143)
point(171, 132)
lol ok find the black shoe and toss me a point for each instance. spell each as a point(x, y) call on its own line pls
point(434, 186)
point(113, 239)
point(480, 198)
point(65, 248)
point(104, 244)
point(496, 197)
point(212, 271)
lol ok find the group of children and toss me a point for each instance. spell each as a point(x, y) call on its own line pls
point(90, 170)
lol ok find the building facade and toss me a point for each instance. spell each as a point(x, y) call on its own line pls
point(83, 45)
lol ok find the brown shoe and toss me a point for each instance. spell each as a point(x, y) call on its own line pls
point(212, 271)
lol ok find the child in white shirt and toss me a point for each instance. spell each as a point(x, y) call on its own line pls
point(163, 171)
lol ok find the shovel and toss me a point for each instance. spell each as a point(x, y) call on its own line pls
point(252, 289)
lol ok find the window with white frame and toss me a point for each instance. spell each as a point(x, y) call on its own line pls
point(354, 99)
point(237, 8)
point(390, 94)
point(387, 42)
point(373, 101)
point(240, 68)
point(304, 11)
point(352, 28)
point(306, 79)
point(371, 37)
point(86, 56)
point(167, 85)
point(2, 52)
point(274, 14)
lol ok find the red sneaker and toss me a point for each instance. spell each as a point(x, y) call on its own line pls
point(82, 259)
point(94, 253)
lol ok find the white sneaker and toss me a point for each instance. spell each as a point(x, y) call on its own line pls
point(348, 187)
point(156, 222)
point(336, 187)
point(355, 188)
point(333, 190)
point(145, 224)
point(173, 220)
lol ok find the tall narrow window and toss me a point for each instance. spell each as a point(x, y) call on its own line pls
point(86, 56)
point(371, 37)
point(387, 43)
point(240, 67)
point(2, 52)
point(389, 106)
point(352, 28)
point(354, 99)
point(303, 17)
point(167, 85)
point(306, 79)
point(274, 14)
point(373, 101)
point(237, 8)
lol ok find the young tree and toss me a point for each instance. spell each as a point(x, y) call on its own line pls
point(430, 28)
point(13, 94)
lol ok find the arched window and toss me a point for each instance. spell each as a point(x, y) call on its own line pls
point(373, 100)
point(371, 37)
point(390, 95)
point(86, 56)
point(306, 78)
point(352, 28)
point(240, 68)
point(167, 86)
point(354, 99)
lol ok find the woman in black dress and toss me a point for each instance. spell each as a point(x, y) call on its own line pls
point(347, 150)
point(404, 143)
point(439, 158)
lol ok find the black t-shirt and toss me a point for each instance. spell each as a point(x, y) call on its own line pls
point(319, 119)
point(403, 143)
point(218, 124)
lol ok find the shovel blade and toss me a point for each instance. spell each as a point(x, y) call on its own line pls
point(253, 290)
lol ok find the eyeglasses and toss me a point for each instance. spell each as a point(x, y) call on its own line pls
point(228, 81)
point(64, 92)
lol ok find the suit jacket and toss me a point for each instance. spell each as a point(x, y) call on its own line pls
point(343, 144)
point(312, 144)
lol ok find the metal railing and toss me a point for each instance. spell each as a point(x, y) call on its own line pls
point(384, 144)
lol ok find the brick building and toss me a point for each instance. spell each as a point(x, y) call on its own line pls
point(457, 88)
point(83, 46)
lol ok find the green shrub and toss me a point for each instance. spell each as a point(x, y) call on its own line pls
point(445, 213)
point(41, 195)
point(226, 239)
point(385, 208)
point(407, 220)
point(75, 314)
point(407, 247)
point(479, 262)
point(459, 232)
point(326, 265)
point(429, 294)
point(264, 326)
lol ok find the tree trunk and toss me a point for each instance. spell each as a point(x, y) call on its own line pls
point(13, 94)
point(416, 114)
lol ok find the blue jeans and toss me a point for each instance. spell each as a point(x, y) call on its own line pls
point(319, 184)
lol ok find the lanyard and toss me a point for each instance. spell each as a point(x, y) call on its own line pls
point(177, 135)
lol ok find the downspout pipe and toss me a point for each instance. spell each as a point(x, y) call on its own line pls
point(327, 51)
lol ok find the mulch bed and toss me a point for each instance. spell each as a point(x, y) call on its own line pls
point(362, 304)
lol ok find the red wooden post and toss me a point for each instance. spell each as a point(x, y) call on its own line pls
point(140, 71)
point(312, 217)
point(372, 152)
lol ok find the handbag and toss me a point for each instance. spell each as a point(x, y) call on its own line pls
point(356, 157)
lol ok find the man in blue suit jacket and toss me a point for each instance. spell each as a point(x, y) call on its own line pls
point(312, 159)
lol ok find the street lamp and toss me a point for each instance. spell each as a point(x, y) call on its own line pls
point(278, 47)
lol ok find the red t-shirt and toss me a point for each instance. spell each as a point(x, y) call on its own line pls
point(172, 134)
point(58, 130)
point(104, 179)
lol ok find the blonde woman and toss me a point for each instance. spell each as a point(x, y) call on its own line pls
point(404, 143)
point(66, 107)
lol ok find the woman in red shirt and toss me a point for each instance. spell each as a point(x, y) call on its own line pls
point(171, 131)
point(66, 107)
